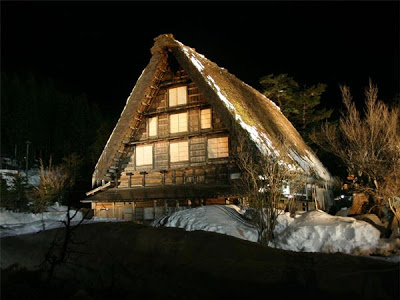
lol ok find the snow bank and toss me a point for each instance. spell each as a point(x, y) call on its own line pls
point(9, 176)
point(225, 219)
point(13, 223)
point(317, 231)
point(314, 231)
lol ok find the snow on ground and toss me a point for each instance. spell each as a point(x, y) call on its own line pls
point(314, 231)
point(13, 223)
point(224, 219)
point(9, 176)
point(317, 231)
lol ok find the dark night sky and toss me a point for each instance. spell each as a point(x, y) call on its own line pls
point(101, 48)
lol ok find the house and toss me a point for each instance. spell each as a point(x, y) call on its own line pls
point(171, 146)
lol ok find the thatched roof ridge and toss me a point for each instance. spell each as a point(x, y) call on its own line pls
point(237, 103)
point(122, 130)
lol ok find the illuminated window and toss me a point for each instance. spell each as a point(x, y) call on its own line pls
point(153, 122)
point(205, 117)
point(177, 96)
point(178, 122)
point(217, 147)
point(179, 151)
point(144, 155)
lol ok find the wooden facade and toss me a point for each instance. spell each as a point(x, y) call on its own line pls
point(210, 170)
point(200, 166)
point(171, 147)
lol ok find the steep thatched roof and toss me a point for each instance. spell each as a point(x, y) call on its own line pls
point(237, 103)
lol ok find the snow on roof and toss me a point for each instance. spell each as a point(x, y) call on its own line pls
point(243, 102)
point(234, 100)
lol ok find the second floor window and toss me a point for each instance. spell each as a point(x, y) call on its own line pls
point(218, 147)
point(177, 96)
point(178, 122)
point(179, 151)
point(153, 122)
point(205, 117)
point(144, 155)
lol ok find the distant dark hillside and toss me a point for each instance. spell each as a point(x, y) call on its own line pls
point(57, 121)
point(128, 261)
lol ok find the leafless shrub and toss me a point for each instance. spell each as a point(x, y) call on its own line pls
point(369, 145)
point(54, 182)
point(262, 181)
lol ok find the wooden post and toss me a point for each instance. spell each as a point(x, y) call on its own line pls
point(116, 178)
point(130, 179)
point(134, 210)
point(154, 208)
point(144, 177)
point(305, 188)
point(163, 172)
point(173, 177)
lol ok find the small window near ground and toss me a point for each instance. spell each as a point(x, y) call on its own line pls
point(218, 147)
point(153, 122)
point(205, 117)
point(178, 122)
point(179, 151)
point(144, 155)
point(177, 96)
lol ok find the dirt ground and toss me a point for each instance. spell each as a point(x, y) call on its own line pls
point(130, 261)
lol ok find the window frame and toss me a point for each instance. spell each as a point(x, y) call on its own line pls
point(218, 151)
point(151, 156)
point(201, 118)
point(176, 100)
point(178, 143)
point(156, 126)
point(170, 122)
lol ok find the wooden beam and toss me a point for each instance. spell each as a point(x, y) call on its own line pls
point(100, 188)
point(168, 109)
point(179, 135)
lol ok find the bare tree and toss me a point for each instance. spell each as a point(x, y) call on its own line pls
point(369, 145)
point(262, 181)
point(53, 182)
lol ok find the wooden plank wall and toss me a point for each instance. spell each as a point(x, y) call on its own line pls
point(149, 210)
point(208, 174)
point(198, 169)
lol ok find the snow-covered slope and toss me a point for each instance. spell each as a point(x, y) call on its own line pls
point(13, 223)
point(317, 231)
point(226, 219)
point(313, 231)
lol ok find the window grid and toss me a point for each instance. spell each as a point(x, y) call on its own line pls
point(179, 151)
point(177, 96)
point(205, 118)
point(178, 122)
point(153, 122)
point(144, 155)
point(217, 147)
